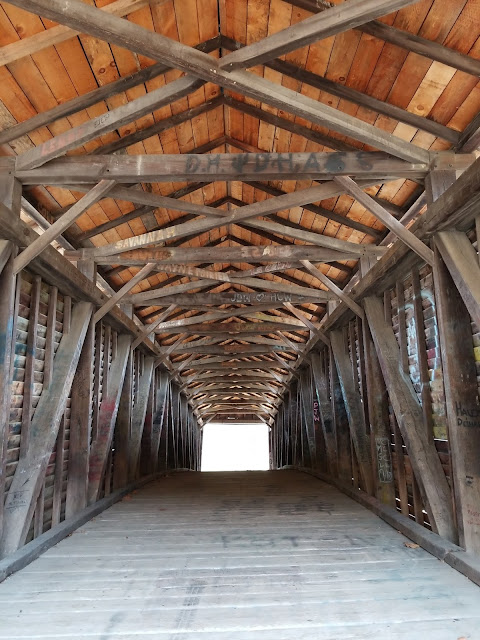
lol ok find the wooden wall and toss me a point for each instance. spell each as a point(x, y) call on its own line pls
point(122, 418)
point(316, 434)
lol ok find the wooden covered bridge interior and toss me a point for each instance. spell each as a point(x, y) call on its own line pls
point(240, 210)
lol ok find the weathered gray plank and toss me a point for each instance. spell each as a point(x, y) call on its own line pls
point(101, 445)
point(200, 168)
point(461, 259)
point(423, 456)
point(138, 415)
point(351, 398)
point(57, 228)
point(463, 406)
point(80, 423)
point(31, 469)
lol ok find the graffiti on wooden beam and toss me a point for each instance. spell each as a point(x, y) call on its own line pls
point(384, 460)
point(281, 162)
point(247, 298)
point(467, 416)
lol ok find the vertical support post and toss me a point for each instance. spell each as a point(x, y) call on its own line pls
point(321, 384)
point(402, 333)
point(10, 196)
point(80, 427)
point(307, 406)
point(106, 418)
point(462, 398)
point(340, 420)
point(138, 416)
point(422, 354)
point(160, 461)
point(379, 422)
point(463, 406)
point(147, 434)
point(356, 418)
point(123, 429)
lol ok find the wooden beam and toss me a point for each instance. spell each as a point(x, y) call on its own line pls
point(80, 424)
point(159, 419)
point(124, 33)
point(346, 93)
point(262, 253)
point(138, 213)
point(423, 455)
point(255, 312)
point(5, 253)
point(320, 211)
point(316, 239)
point(322, 393)
point(246, 213)
point(308, 324)
point(88, 99)
point(234, 349)
point(57, 228)
point(205, 168)
point(107, 122)
point(230, 329)
point(255, 299)
point(101, 445)
point(388, 220)
point(8, 285)
point(147, 330)
point(462, 400)
point(240, 377)
point(271, 287)
point(406, 40)
point(30, 471)
point(59, 33)
point(380, 429)
point(333, 288)
point(233, 366)
point(285, 124)
point(461, 259)
point(306, 399)
point(121, 293)
point(123, 427)
point(331, 21)
point(353, 407)
point(138, 415)
point(165, 124)
point(455, 208)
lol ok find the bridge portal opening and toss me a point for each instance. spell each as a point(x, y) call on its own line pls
point(235, 447)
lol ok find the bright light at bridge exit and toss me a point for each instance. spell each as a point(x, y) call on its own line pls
point(235, 447)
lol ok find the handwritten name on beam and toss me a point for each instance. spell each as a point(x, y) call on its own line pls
point(228, 166)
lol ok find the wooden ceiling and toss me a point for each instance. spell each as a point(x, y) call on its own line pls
point(411, 74)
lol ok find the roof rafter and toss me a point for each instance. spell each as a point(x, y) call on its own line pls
point(126, 34)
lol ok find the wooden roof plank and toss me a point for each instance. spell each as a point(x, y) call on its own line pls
point(357, 97)
point(409, 41)
point(109, 121)
point(28, 46)
point(122, 32)
point(333, 20)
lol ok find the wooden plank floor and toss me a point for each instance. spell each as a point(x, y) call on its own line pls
point(258, 555)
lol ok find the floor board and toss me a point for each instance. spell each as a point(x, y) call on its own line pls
point(238, 556)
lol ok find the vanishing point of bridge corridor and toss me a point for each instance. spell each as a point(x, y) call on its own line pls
point(275, 555)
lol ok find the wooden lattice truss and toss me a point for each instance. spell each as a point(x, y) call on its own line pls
point(236, 190)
